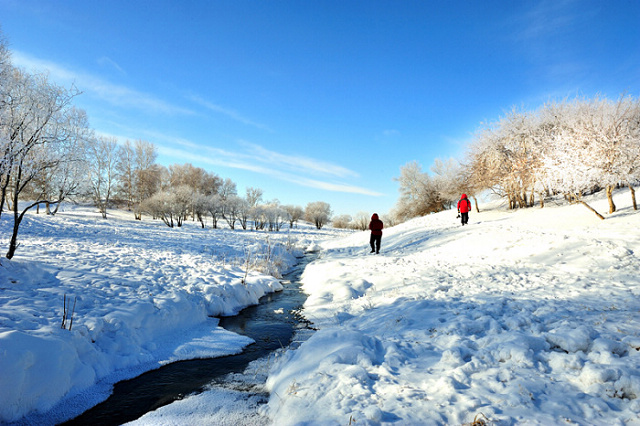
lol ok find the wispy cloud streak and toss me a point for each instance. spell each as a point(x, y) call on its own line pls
point(234, 115)
point(262, 161)
point(297, 163)
point(118, 95)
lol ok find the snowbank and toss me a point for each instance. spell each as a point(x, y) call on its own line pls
point(528, 317)
point(138, 295)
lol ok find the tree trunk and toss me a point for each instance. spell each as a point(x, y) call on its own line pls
point(591, 208)
point(13, 243)
point(475, 201)
point(633, 197)
point(541, 201)
point(532, 198)
point(612, 206)
point(17, 220)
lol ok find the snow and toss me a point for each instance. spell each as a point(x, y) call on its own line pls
point(521, 317)
point(144, 295)
point(528, 317)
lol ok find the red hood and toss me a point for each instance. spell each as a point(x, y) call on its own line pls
point(375, 216)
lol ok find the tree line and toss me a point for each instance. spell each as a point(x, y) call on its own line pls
point(571, 147)
point(49, 154)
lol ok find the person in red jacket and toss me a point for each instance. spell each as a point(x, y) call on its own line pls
point(464, 206)
point(375, 226)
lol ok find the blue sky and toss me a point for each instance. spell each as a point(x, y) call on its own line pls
point(320, 100)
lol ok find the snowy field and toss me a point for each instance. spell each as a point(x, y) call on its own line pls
point(144, 295)
point(527, 317)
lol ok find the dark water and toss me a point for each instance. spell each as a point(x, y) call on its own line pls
point(133, 398)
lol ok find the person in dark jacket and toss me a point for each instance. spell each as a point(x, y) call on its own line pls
point(375, 226)
point(464, 207)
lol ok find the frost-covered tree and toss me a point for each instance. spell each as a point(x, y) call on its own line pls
point(126, 174)
point(258, 216)
point(565, 147)
point(294, 213)
point(611, 128)
point(505, 158)
point(148, 174)
point(232, 206)
point(254, 196)
point(244, 212)
point(227, 189)
point(570, 162)
point(419, 193)
point(631, 171)
point(275, 215)
point(183, 203)
point(68, 178)
point(318, 213)
point(102, 154)
point(37, 117)
point(214, 208)
point(343, 221)
point(361, 221)
point(160, 205)
point(200, 208)
point(447, 179)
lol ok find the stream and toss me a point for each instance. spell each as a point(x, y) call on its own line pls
point(272, 324)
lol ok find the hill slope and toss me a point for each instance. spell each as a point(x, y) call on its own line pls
point(530, 316)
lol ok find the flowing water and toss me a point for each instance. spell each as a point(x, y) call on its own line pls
point(272, 323)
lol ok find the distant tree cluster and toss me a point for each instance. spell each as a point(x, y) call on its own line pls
point(360, 221)
point(573, 148)
point(49, 154)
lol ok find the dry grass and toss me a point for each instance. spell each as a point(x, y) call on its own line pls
point(479, 420)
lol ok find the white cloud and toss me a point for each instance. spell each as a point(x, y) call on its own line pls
point(267, 163)
point(297, 163)
point(109, 63)
point(114, 94)
point(226, 111)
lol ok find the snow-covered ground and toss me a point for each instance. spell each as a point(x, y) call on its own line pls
point(139, 294)
point(524, 317)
